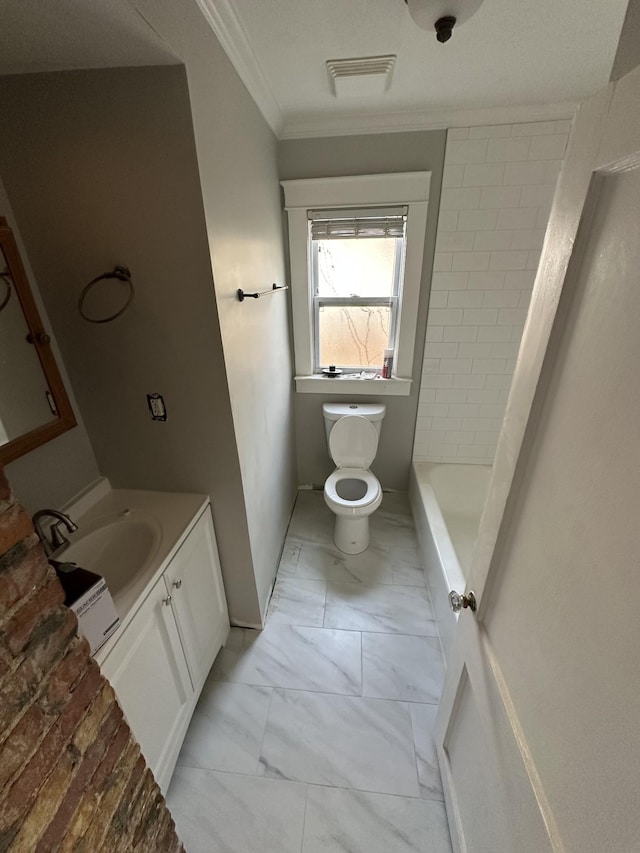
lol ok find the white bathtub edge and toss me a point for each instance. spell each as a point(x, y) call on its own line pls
point(440, 578)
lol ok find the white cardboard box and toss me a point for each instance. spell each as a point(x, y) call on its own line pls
point(97, 617)
point(89, 598)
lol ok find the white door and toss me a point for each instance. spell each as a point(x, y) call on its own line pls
point(539, 727)
point(194, 582)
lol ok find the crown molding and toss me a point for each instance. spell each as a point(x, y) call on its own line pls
point(226, 24)
point(351, 124)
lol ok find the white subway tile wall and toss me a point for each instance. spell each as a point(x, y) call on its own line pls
point(497, 191)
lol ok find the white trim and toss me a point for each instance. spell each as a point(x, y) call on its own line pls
point(519, 736)
point(225, 23)
point(352, 124)
point(410, 293)
point(315, 384)
point(400, 188)
point(410, 188)
point(301, 301)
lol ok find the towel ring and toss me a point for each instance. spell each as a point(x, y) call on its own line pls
point(122, 274)
point(7, 280)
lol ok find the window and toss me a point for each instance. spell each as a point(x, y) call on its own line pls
point(357, 266)
point(356, 248)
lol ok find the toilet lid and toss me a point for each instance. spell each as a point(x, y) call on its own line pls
point(353, 442)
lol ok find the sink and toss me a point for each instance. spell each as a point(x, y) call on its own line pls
point(119, 547)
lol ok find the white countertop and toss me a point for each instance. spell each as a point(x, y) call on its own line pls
point(175, 514)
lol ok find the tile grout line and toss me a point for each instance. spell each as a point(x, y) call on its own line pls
point(403, 633)
point(304, 817)
point(362, 791)
point(415, 753)
point(264, 733)
point(288, 781)
point(324, 606)
point(329, 692)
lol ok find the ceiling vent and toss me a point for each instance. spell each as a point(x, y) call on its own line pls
point(362, 77)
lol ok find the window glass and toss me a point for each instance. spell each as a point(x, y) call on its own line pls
point(356, 281)
point(356, 267)
point(353, 336)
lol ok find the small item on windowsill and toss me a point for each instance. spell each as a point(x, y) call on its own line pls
point(368, 375)
point(387, 364)
point(332, 371)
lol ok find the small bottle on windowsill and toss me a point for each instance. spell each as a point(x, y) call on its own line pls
point(387, 364)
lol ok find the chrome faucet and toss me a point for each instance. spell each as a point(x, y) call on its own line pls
point(57, 541)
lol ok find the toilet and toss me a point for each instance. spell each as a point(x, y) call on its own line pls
point(352, 492)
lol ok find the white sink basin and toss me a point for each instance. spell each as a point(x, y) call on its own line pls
point(128, 536)
point(119, 547)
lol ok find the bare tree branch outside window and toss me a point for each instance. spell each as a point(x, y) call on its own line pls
point(355, 335)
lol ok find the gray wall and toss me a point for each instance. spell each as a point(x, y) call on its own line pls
point(364, 155)
point(239, 183)
point(628, 53)
point(54, 473)
point(101, 168)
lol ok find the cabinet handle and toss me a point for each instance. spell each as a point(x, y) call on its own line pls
point(177, 584)
point(167, 601)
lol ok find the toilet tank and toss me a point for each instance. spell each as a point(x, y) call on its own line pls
point(332, 412)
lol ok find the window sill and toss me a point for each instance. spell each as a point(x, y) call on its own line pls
point(395, 387)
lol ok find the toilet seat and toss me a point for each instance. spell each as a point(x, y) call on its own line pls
point(370, 480)
point(353, 442)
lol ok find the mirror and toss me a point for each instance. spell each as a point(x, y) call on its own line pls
point(34, 407)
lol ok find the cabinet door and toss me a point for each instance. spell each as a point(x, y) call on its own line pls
point(194, 581)
point(149, 675)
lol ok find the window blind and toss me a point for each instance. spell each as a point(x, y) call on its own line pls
point(345, 224)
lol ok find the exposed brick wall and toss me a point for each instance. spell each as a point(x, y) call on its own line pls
point(71, 775)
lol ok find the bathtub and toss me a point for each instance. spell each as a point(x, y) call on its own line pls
point(447, 502)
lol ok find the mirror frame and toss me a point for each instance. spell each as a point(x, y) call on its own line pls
point(39, 338)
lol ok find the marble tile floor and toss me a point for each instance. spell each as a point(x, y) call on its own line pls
point(315, 735)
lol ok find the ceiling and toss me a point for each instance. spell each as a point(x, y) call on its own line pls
point(513, 60)
point(511, 53)
point(60, 35)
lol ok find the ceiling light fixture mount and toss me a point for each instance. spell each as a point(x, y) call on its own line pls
point(442, 15)
point(444, 28)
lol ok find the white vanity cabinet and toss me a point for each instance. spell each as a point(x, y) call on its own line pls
point(158, 663)
point(148, 671)
point(194, 584)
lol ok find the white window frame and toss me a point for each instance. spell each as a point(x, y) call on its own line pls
point(405, 188)
point(391, 301)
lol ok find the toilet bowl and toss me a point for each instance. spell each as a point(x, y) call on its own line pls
point(352, 492)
